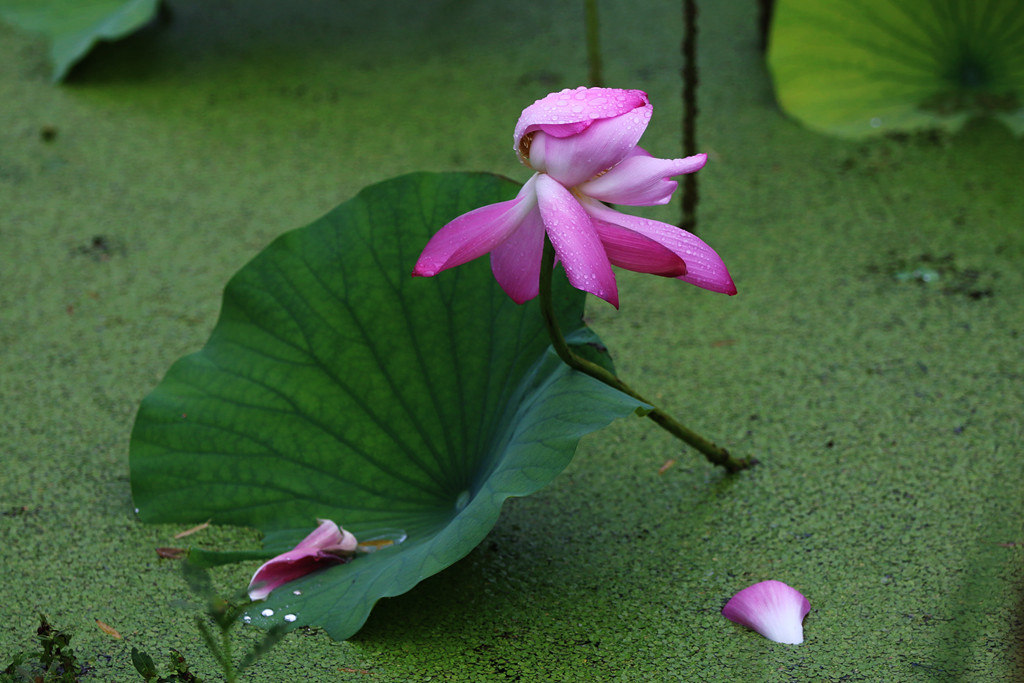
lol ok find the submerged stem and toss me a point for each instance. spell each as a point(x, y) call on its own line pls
point(715, 454)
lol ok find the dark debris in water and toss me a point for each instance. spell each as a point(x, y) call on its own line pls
point(101, 248)
point(942, 273)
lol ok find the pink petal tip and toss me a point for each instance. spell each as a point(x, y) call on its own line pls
point(771, 608)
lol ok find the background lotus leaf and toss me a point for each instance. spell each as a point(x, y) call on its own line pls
point(74, 26)
point(859, 67)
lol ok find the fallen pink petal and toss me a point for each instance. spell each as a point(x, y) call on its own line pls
point(327, 545)
point(582, 144)
point(771, 608)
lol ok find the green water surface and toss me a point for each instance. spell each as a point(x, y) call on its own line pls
point(871, 361)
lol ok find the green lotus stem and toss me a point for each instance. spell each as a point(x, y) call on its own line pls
point(715, 454)
point(230, 675)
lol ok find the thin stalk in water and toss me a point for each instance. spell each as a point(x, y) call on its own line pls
point(689, 222)
point(593, 44)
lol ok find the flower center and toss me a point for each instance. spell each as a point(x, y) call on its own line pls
point(524, 147)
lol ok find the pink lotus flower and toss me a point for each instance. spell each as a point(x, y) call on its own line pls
point(583, 145)
point(771, 608)
point(327, 545)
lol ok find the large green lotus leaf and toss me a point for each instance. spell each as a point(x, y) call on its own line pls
point(858, 67)
point(74, 26)
point(335, 385)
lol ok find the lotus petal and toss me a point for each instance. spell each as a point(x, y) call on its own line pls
point(771, 608)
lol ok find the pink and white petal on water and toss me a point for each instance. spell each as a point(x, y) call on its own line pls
point(771, 608)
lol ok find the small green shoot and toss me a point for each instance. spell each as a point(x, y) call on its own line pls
point(55, 663)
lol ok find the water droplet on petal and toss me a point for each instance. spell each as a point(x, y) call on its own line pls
point(290, 617)
point(296, 592)
point(267, 612)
